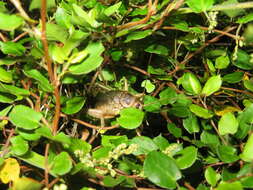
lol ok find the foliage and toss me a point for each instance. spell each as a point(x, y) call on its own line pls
point(193, 61)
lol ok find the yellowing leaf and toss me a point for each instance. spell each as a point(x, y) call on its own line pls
point(10, 170)
point(227, 109)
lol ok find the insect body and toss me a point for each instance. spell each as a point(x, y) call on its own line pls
point(108, 105)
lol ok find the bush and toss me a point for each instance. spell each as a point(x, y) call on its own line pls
point(187, 64)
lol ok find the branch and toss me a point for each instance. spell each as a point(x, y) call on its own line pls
point(51, 73)
point(151, 11)
point(190, 56)
point(94, 126)
point(22, 12)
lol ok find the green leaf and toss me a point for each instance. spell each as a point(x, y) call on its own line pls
point(190, 83)
point(148, 85)
point(107, 75)
point(191, 124)
point(157, 49)
point(13, 90)
point(247, 182)
point(102, 152)
point(78, 144)
point(232, 12)
point(35, 159)
point(24, 183)
point(93, 61)
point(56, 33)
point(211, 176)
point(137, 35)
point(209, 138)
point(10, 22)
point(5, 111)
point(222, 62)
point(29, 135)
point(248, 84)
point(200, 5)
point(62, 17)
point(234, 77)
point(174, 130)
point(130, 118)
point(62, 138)
point(73, 105)
point(201, 112)
point(243, 60)
point(19, 145)
point(7, 98)
point(116, 55)
point(111, 182)
point(113, 141)
point(210, 66)
point(12, 48)
point(161, 170)
point(145, 145)
point(247, 153)
point(245, 122)
point(86, 19)
point(186, 157)
point(78, 56)
point(25, 117)
point(5, 76)
point(151, 104)
point(161, 142)
point(7, 61)
point(245, 19)
point(227, 154)
point(212, 85)
point(228, 124)
point(61, 164)
point(228, 186)
point(168, 96)
point(43, 82)
point(112, 9)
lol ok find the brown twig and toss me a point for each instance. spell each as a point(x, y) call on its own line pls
point(38, 103)
point(94, 126)
point(190, 56)
point(240, 177)
point(20, 36)
point(173, 5)
point(238, 90)
point(51, 72)
point(46, 171)
point(188, 186)
point(22, 12)
point(160, 87)
point(151, 11)
point(7, 143)
point(137, 69)
point(215, 164)
point(206, 28)
point(53, 182)
point(3, 38)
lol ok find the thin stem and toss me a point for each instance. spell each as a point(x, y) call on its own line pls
point(94, 126)
point(46, 171)
point(22, 12)
point(51, 72)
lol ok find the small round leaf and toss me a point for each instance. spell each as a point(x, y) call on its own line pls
point(161, 170)
point(130, 118)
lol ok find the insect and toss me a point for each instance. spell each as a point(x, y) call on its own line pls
point(108, 104)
